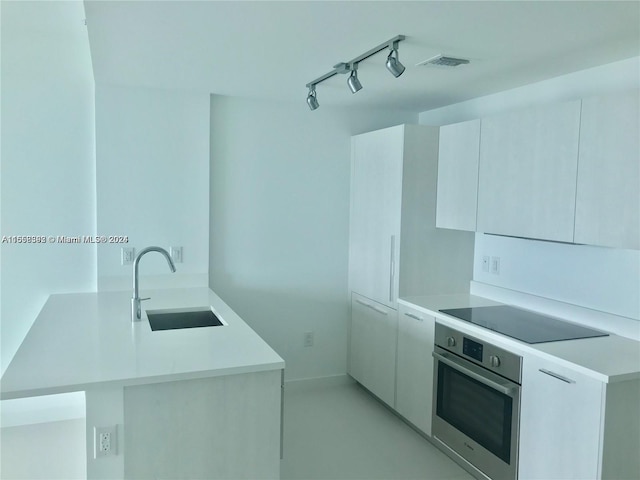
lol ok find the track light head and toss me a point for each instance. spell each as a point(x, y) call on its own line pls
point(393, 63)
point(312, 101)
point(353, 82)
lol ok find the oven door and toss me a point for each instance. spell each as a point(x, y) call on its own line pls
point(476, 415)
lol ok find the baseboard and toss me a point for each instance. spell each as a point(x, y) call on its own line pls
point(325, 381)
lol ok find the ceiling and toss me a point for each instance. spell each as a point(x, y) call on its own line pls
point(271, 50)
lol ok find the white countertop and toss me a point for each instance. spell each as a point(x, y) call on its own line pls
point(87, 340)
point(608, 359)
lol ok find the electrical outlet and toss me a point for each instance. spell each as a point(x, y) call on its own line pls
point(308, 339)
point(495, 265)
point(176, 254)
point(105, 441)
point(127, 255)
point(485, 263)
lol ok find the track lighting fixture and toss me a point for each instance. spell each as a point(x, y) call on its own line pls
point(393, 62)
point(393, 65)
point(312, 101)
point(353, 82)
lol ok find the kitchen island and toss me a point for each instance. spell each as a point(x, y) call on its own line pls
point(185, 403)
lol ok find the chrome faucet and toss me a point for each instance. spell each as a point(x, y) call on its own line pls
point(136, 313)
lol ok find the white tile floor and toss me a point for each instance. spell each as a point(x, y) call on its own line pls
point(341, 432)
point(333, 430)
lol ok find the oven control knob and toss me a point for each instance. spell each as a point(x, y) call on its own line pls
point(494, 361)
point(451, 342)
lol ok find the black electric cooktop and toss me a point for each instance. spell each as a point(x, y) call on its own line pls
point(523, 325)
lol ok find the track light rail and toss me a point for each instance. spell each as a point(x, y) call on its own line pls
point(346, 67)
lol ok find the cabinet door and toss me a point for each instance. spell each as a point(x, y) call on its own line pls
point(374, 335)
point(560, 422)
point(527, 175)
point(608, 196)
point(414, 379)
point(376, 196)
point(457, 191)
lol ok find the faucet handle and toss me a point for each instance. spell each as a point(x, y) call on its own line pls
point(136, 310)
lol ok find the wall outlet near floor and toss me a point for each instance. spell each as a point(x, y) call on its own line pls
point(308, 339)
point(495, 265)
point(485, 263)
point(105, 441)
point(127, 255)
point(176, 254)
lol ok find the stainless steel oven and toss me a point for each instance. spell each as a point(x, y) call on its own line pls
point(476, 403)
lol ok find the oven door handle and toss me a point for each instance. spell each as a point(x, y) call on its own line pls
point(506, 389)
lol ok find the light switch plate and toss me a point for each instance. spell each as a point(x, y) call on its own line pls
point(308, 339)
point(495, 265)
point(127, 255)
point(176, 254)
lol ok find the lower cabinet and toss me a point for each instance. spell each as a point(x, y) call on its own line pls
point(559, 422)
point(390, 355)
point(374, 335)
point(575, 427)
point(572, 425)
point(414, 388)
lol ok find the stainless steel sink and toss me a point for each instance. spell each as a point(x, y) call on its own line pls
point(173, 319)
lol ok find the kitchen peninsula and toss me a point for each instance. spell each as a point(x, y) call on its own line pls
point(185, 403)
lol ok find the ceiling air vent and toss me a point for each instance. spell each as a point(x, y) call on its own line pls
point(442, 61)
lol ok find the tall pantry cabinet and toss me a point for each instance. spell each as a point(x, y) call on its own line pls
point(394, 246)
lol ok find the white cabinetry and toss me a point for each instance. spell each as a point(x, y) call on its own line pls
point(394, 247)
point(608, 195)
point(575, 427)
point(414, 380)
point(568, 172)
point(560, 422)
point(376, 199)
point(527, 175)
point(215, 428)
point(374, 334)
point(458, 176)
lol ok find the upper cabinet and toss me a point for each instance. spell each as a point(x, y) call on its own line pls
point(608, 192)
point(458, 175)
point(527, 174)
point(568, 172)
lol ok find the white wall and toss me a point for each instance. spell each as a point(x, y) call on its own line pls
point(280, 222)
point(617, 76)
point(153, 183)
point(600, 278)
point(48, 159)
point(47, 451)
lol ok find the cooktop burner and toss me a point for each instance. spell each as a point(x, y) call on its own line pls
point(523, 325)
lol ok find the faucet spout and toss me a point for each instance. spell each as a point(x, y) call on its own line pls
point(136, 311)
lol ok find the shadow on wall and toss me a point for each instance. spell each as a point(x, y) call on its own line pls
point(282, 317)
